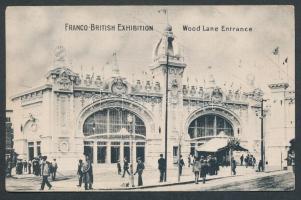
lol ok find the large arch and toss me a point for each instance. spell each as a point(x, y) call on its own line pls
point(136, 108)
point(227, 114)
point(109, 147)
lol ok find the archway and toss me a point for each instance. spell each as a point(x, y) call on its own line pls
point(107, 133)
point(207, 123)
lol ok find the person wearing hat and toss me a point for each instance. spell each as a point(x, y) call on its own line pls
point(203, 169)
point(86, 173)
point(79, 172)
point(54, 169)
point(45, 172)
point(162, 167)
point(125, 167)
point(139, 170)
point(118, 167)
point(181, 164)
point(196, 167)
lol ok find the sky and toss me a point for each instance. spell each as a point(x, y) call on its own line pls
point(33, 33)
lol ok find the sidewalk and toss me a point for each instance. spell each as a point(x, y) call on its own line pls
point(107, 179)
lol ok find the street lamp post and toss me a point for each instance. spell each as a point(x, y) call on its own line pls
point(130, 120)
point(166, 112)
point(262, 134)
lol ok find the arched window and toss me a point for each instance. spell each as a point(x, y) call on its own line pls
point(209, 125)
point(112, 120)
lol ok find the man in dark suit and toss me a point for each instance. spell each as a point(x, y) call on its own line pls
point(162, 167)
point(125, 167)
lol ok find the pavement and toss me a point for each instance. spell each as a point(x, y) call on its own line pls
point(107, 179)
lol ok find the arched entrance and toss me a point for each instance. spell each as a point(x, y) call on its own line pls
point(107, 133)
point(207, 123)
point(111, 132)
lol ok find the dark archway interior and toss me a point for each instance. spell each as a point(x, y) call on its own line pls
point(209, 125)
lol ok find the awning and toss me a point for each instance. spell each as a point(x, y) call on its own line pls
point(235, 148)
point(213, 145)
point(218, 144)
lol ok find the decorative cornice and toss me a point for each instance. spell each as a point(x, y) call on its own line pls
point(32, 90)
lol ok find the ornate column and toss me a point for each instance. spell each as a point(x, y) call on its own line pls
point(134, 152)
point(108, 156)
point(121, 153)
point(95, 152)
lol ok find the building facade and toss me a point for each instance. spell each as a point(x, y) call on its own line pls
point(71, 114)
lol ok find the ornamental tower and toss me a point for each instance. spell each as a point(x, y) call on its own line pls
point(168, 67)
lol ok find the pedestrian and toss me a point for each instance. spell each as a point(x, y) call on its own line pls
point(260, 166)
point(86, 175)
point(210, 165)
point(196, 169)
point(54, 169)
point(247, 161)
point(125, 167)
point(189, 160)
point(181, 164)
point(19, 167)
point(204, 169)
point(45, 172)
point(40, 160)
point(118, 167)
point(233, 166)
point(241, 159)
point(91, 176)
point(162, 167)
point(216, 166)
point(251, 161)
point(29, 166)
point(139, 170)
point(25, 165)
point(9, 166)
point(79, 172)
point(254, 162)
point(35, 164)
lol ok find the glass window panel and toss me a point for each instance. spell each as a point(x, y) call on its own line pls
point(204, 126)
point(201, 122)
point(97, 122)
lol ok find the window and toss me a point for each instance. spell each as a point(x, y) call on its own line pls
point(39, 148)
point(209, 125)
point(175, 151)
point(112, 120)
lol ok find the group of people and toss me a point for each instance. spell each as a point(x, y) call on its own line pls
point(85, 173)
point(249, 160)
point(22, 166)
point(200, 168)
point(126, 165)
point(34, 167)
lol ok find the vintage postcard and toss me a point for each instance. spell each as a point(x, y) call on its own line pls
point(150, 98)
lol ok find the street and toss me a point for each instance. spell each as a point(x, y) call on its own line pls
point(278, 181)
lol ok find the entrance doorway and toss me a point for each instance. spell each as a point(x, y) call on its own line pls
point(140, 152)
point(101, 154)
point(30, 150)
point(115, 151)
point(127, 152)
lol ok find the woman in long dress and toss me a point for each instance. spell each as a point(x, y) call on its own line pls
point(196, 169)
point(203, 171)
